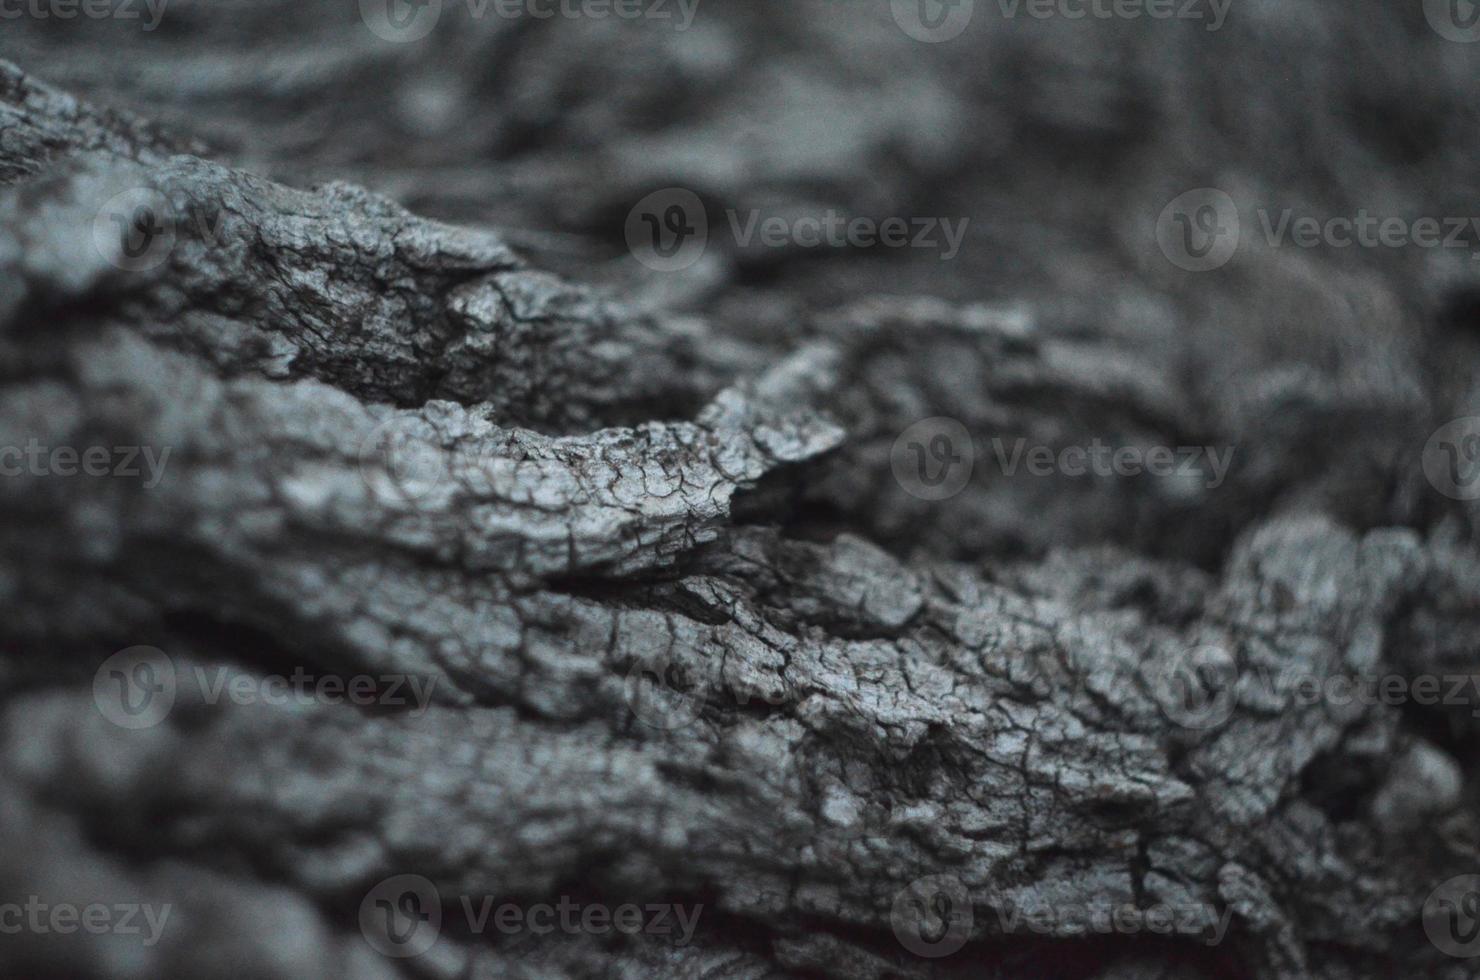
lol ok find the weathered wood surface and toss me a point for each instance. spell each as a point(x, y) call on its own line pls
point(425, 419)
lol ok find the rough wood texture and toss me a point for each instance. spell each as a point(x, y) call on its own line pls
point(684, 637)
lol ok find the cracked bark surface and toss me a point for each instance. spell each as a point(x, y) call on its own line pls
point(427, 427)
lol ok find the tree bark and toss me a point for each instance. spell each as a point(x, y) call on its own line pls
point(647, 613)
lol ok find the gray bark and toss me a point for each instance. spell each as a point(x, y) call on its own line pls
point(686, 638)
